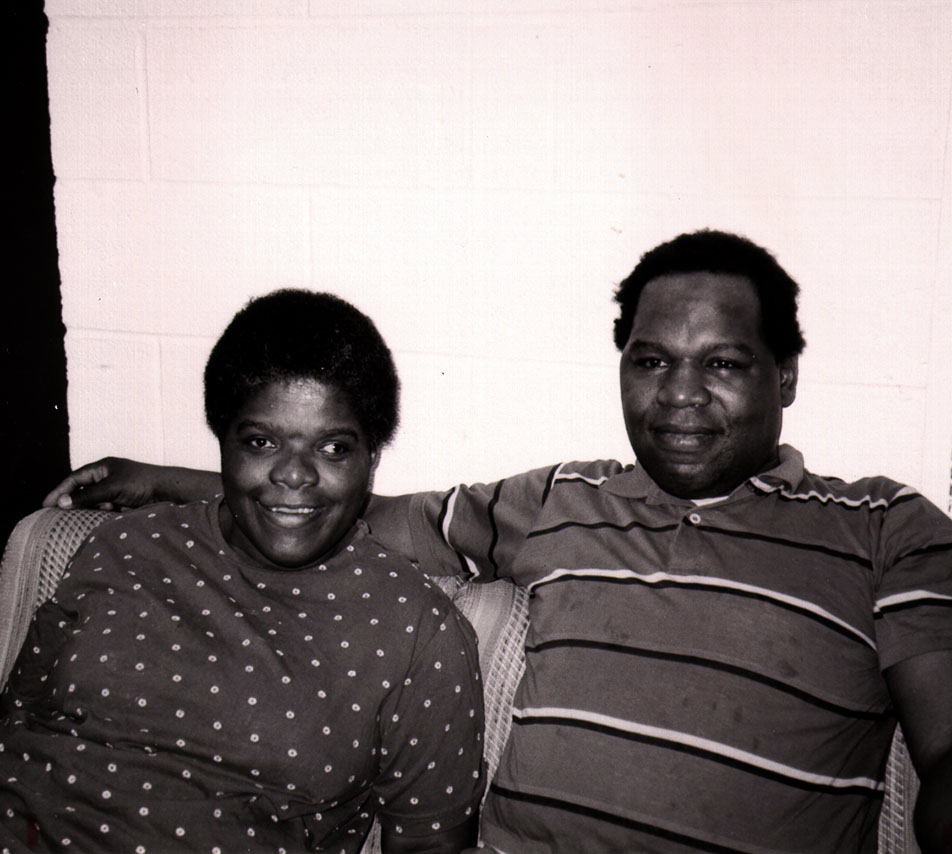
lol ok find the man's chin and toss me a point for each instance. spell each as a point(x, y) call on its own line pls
point(688, 481)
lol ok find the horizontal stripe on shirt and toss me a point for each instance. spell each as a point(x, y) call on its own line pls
point(706, 583)
point(697, 745)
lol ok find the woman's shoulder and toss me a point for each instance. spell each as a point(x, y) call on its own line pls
point(152, 514)
point(154, 522)
point(394, 568)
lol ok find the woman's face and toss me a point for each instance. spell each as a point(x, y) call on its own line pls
point(296, 469)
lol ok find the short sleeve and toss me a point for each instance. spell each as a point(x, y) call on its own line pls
point(913, 612)
point(477, 529)
point(431, 775)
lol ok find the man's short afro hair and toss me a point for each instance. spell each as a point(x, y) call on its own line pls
point(298, 334)
point(720, 252)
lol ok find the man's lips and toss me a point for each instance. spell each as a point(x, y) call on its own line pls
point(677, 437)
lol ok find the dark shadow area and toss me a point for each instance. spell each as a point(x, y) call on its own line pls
point(34, 428)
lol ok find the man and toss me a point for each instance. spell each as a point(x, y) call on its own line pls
point(721, 642)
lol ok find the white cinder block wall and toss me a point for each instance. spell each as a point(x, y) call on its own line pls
point(478, 177)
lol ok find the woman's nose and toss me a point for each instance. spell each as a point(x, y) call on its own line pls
point(683, 386)
point(294, 470)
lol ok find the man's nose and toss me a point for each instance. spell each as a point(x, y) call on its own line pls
point(684, 385)
point(295, 470)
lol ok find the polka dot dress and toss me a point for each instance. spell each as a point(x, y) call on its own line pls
point(177, 696)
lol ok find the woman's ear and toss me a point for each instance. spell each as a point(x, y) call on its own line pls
point(374, 462)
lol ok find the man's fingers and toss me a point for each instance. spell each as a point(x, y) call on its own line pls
point(97, 495)
point(77, 488)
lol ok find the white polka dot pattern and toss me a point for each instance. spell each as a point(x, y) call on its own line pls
point(216, 702)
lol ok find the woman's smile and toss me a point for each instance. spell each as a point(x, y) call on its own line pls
point(288, 516)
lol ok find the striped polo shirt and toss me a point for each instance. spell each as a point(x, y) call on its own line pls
point(699, 678)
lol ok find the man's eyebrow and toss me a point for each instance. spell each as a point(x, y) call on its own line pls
point(746, 349)
point(645, 345)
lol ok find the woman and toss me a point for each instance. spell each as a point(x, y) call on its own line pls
point(253, 673)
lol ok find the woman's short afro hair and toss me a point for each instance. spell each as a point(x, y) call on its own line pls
point(297, 334)
point(720, 252)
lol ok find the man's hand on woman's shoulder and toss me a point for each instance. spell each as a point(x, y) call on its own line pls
point(113, 483)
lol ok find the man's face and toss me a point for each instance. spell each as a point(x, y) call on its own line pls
point(701, 392)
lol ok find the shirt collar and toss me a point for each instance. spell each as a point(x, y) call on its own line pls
point(635, 482)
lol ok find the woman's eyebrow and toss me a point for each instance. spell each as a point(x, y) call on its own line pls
point(268, 427)
point(249, 424)
point(340, 431)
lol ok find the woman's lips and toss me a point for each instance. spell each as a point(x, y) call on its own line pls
point(290, 515)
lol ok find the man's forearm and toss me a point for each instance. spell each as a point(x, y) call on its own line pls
point(184, 485)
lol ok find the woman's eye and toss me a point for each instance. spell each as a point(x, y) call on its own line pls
point(260, 443)
point(334, 450)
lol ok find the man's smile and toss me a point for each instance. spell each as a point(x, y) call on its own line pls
point(687, 438)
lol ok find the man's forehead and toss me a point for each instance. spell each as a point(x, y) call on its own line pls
point(701, 280)
point(720, 308)
point(715, 293)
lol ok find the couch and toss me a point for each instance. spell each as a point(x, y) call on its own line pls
point(41, 545)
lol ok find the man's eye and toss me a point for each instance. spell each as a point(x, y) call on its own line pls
point(724, 364)
point(649, 363)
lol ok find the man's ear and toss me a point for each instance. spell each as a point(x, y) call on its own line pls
point(788, 380)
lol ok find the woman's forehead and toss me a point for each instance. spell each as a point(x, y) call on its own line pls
point(303, 402)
